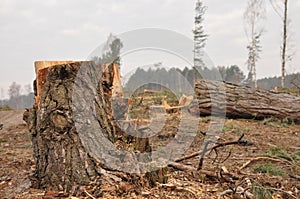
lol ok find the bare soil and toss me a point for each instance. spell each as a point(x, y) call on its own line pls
point(272, 173)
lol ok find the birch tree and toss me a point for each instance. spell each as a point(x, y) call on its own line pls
point(281, 8)
point(253, 15)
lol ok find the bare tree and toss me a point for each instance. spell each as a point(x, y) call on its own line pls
point(14, 94)
point(199, 36)
point(283, 54)
point(281, 8)
point(253, 15)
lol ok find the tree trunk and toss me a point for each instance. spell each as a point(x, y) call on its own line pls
point(284, 46)
point(70, 118)
point(243, 102)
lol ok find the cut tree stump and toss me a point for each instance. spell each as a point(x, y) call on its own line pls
point(243, 102)
point(65, 124)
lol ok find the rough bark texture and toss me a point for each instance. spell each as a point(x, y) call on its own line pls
point(243, 102)
point(61, 160)
point(62, 151)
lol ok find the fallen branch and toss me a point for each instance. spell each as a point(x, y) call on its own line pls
point(239, 142)
point(260, 159)
point(88, 194)
point(189, 156)
point(216, 175)
point(295, 177)
point(217, 145)
point(183, 167)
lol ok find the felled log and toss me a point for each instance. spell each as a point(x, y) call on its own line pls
point(237, 101)
point(73, 129)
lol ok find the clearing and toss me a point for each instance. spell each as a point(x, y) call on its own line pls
point(272, 171)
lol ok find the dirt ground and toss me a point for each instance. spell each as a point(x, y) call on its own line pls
point(269, 168)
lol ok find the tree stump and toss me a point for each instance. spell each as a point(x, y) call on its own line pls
point(73, 129)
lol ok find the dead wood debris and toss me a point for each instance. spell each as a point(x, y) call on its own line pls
point(221, 175)
point(236, 193)
point(261, 159)
point(295, 177)
point(239, 142)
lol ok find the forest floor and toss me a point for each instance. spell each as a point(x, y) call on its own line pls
point(269, 168)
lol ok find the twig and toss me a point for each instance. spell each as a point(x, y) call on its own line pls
point(224, 193)
point(259, 159)
point(217, 154)
point(238, 190)
point(87, 193)
point(239, 142)
point(189, 168)
point(217, 145)
point(229, 154)
point(295, 177)
point(227, 178)
point(281, 190)
point(181, 167)
point(189, 156)
point(204, 151)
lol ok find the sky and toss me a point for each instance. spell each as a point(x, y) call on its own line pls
point(71, 29)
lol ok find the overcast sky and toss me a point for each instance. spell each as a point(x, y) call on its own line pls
point(71, 29)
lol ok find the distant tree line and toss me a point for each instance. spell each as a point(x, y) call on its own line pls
point(175, 79)
point(269, 83)
point(16, 99)
point(182, 80)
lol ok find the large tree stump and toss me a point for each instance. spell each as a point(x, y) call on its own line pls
point(244, 102)
point(65, 124)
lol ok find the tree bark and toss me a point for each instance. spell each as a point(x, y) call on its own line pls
point(243, 102)
point(71, 103)
point(61, 160)
point(284, 45)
